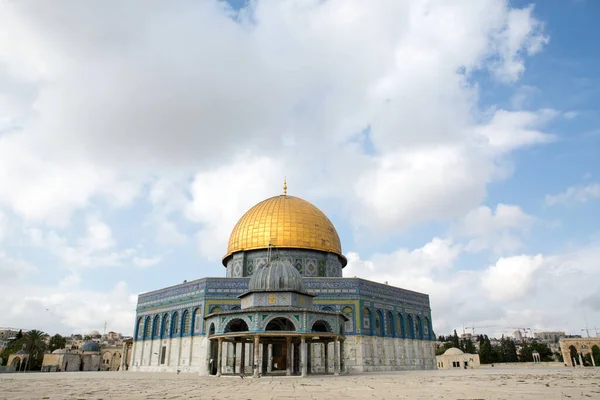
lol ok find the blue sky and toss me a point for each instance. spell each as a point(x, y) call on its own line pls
point(456, 149)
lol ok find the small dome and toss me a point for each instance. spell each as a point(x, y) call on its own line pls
point(453, 351)
point(59, 351)
point(21, 352)
point(93, 333)
point(90, 346)
point(277, 276)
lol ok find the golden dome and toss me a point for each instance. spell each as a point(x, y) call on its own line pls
point(285, 222)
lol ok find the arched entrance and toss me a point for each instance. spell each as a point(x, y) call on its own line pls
point(280, 324)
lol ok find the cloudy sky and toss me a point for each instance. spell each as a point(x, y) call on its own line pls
point(454, 144)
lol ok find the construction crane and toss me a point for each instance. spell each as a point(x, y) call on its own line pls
point(472, 328)
point(521, 329)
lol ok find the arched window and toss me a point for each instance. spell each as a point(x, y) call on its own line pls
point(389, 324)
point(411, 327)
point(367, 321)
point(400, 326)
point(280, 324)
point(426, 329)
point(418, 328)
point(236, 325)
point(211, 330)
point(175, 329)
point(147, 328)
point(155, 326)
point(140, 328)
point(197, 320)
point(165, 326)
point(186, 321)
point(378, 323)
point(327, 308)
point(215, 309)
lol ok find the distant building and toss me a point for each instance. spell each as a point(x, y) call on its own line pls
point(552, 337)
point(456, 358)
point(518, 335)
point(8, 334)
point(91, 357)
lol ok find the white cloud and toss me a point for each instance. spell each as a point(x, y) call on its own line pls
point(508, 131)
point(499, 231)
point(97, 248)
point(221, 196)
point(69, 308)
point(521, 36)
point(575, 194)
point(145, 262)
point(512, 278)
point(239, 101)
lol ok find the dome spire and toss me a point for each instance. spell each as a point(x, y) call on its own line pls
point(284, 186)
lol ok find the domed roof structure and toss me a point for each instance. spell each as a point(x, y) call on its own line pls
point(93, 333)
point(277, 276)
point(453, 351)
point(90, 346)
point(21, 352)
point(284, 222)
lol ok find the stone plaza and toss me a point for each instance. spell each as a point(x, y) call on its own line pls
point(484, 383)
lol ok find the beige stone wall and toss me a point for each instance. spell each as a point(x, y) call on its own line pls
point(362, 353)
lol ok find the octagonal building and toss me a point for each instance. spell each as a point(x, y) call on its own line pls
point(284, 307)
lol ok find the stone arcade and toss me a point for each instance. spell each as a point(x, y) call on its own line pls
point(284, 307)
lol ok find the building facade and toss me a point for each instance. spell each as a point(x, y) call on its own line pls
point(384, 327)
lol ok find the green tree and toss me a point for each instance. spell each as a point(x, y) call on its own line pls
point(35, 346)
point(455, 341)
point(526, 354)
point(469, 347)
point(57, 342)
point(485, 350)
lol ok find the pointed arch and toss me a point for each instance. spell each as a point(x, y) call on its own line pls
point(186, 322)
point(147, 328)
point(411, 327)
point(140, 329)
point(389, 324)
point(400, 328)
point(418, 328)
point(236, 325)
point(197, 321)
point(378, 323)
point(321, 326)
point(166, 332)
point(155, 326)
point(366, 320)
point(175, 328)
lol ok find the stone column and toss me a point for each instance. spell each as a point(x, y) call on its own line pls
point(342, 355)
point(580, 360)
point(219, 355)
point(256, 356)
point(326, 353)
point(123, 356)
point(336, 357)
point(234, 355)
point(288, 358)
point(303, 357)
point(243, 359)
point(269, 358)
